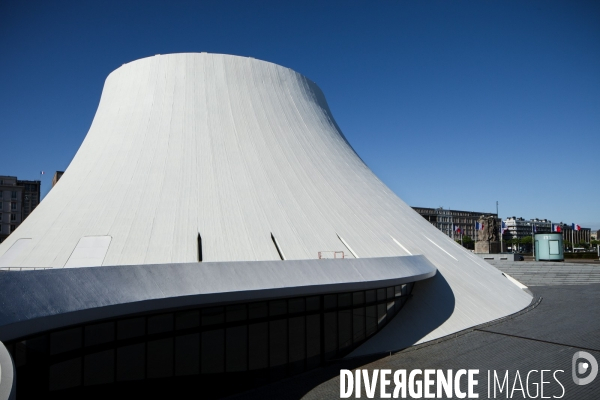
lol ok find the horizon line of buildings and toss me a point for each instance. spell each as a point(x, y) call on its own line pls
point(18, 198)
point(451, 222)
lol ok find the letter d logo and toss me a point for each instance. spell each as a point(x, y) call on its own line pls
point(582, 368)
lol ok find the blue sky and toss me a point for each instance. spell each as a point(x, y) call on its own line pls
point(451, 103)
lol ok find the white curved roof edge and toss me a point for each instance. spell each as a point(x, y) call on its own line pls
point(210, 54)
point(513, 280)
point(52, 299)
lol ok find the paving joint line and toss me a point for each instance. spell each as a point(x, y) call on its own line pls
point(535, 340)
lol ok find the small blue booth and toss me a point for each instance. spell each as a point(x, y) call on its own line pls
point(549, 247)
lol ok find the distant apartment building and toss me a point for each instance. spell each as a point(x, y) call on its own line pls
point(447, 220)
point(518, 228)
point(574, 236)
point(18, 198)
point(56, 177)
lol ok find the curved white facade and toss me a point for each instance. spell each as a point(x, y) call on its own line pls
point(235, 150)
point(229, 147)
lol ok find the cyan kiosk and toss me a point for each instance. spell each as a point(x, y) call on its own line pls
point(549, 247)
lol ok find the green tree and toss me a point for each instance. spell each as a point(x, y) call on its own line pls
point(526, 243)
point(467, 242)
point(513, 243)
point(584, 244)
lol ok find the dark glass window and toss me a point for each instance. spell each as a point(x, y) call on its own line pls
point(160, 323)
point(344, 300)
point(296, 305)
point(236, 345)
point(160, 358)
point(313, 341)
point(371, 312)
point(278, 343)
point(130, 328)
point(313, 303)
point(99, 333)
point(213, 351)
point(213, 316)
point(38, 344)
point(381, 314)
point(66, 374)
point(390, 292)
point(277, 307)
point(398, 303)
point(358, 298)
point(330, 334)
point(187, 319)
point(131, 361)
point(258, 310)
point(66, 340)
point(345, 329)
point(330, 301)
point(297, 344)
point(370, 296)
point(391, 309)
point(359, 324)
point(397, 291)
point(258, 337)
point(187, 354)
point(20, 354)
point(99, 368)
point(236, 312)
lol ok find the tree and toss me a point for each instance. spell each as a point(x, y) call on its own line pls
point(595, 243)
point(513, 243)
point(467, 242)
point(526, 243)
point(584, 244)
point(567, 244)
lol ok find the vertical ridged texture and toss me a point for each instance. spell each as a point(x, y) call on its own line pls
point(236, 149)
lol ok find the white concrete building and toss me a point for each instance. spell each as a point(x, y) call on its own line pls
point(518, 228)
point(237, 177)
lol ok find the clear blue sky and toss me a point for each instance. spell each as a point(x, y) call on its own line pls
point(451, 103)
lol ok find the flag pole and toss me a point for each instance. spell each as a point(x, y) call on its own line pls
point(501, 231)
point(533, 240)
